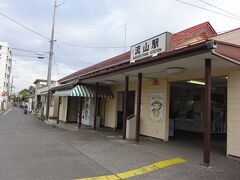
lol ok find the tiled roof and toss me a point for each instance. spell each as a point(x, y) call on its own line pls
point(205, 27)
point(177, 39)
point(107, 63)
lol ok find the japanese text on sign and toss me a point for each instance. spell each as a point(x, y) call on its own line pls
point(150, 47)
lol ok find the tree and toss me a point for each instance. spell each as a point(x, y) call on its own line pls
point(23, 94)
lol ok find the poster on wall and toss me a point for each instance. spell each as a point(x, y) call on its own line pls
point(156, 107)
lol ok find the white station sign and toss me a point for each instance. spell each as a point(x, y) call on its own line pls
point(151, 47)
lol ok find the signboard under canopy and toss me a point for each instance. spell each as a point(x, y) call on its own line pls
point(151, 47)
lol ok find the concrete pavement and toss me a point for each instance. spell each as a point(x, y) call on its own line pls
point(32, 149)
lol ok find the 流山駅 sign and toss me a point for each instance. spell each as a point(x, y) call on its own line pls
point(151, 47)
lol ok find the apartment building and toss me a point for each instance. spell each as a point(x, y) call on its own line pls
point(5, 73)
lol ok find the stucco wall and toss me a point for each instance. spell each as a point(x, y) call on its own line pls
point(233, 114)
point(148, 127)
point(56, 103)
point(53, 111)
point(63, 109)
point(110, 112)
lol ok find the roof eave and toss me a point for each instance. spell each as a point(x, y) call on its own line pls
point(162, 58)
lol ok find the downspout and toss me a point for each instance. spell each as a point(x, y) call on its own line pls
point(225, 57)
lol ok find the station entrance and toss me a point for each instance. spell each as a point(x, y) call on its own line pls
point(186, 112)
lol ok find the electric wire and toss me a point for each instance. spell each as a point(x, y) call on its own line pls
point(67, 43)
point(93, 47)
point(25, 50)
point(228, 12)
point(24, 26)
point(24, 55)
point(71, 57)
point(196, 6)
point(55, 62)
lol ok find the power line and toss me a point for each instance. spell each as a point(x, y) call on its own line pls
point(55, 62)
point(93, 47)
point(71, 57)
point(13, 54)
point(25, 55)
point(25, 50)
point(219, 8)
point(22, 25)
point(196, 6)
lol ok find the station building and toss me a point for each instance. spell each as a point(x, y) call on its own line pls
point(169, 85)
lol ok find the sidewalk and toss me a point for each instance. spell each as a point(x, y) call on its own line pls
point(36, 150)
point(62, 125)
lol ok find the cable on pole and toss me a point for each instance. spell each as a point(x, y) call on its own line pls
point(71, 57)
point(228, 12)
point(22, 25)
point(92, 47)
point(196, 6)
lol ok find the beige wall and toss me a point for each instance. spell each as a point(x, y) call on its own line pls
point(63, 109)
point(148, 127)
point(53, 111)
point(233, 114)
point(110, 115)
point(56, 103)
point(160, 129)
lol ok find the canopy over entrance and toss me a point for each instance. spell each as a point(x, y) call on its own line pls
point(86, 91)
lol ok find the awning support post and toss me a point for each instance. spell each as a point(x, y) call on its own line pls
point(80, 112)
point(96, 108)
point(207, 113)
point(125, 107)
point(139, 93)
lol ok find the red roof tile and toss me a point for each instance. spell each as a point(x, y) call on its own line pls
point(104, 64)
point(177, 39)
point(180, 36)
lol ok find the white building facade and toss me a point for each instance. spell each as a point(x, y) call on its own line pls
point(5, 73)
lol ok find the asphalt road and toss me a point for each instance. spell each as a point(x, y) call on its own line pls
point(33, 150)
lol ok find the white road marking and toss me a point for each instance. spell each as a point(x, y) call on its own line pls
point(7, 111)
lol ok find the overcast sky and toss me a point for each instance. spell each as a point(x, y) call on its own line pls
point(95, 23)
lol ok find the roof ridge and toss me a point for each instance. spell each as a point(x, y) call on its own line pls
point(121, 57)
point(114, 58)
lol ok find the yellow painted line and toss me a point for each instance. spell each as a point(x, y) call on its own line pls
point(139, 171)
point(110, 177)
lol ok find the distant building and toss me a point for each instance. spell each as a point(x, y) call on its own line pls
point(5, 73)
point(39, 100)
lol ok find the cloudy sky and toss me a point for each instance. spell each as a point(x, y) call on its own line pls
point(95, 23)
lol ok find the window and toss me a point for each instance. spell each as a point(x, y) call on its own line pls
point(0, 47)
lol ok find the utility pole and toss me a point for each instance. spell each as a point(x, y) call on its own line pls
point(50, 61)
point(50, 58)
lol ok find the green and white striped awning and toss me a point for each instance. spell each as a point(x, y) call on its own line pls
point(86, 91)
